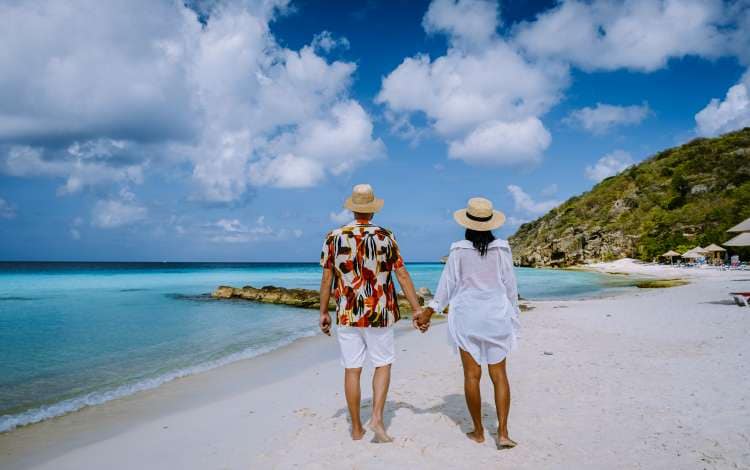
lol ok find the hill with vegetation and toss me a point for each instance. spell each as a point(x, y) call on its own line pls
point(677, 199)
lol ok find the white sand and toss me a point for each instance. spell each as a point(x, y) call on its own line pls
point(653, 379)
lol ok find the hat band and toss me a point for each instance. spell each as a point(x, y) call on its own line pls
point(478, 219)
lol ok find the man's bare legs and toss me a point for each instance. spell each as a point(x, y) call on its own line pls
point(502, 402)
point(472, 375)
point(381, 380)
point(353, 394)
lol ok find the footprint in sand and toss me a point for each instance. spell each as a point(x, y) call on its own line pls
point(305, 413)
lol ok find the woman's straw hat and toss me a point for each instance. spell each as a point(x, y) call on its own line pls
point(479, 215)
point(363, 200)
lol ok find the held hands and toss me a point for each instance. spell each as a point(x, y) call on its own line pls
point(421, 319)
point(325, 323)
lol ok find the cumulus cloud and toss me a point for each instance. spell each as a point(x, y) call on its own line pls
point(341, 217)
point(525, 203)
point(726, 115)
point(214, 90)
point(7, 211)
point(500, 142)
point(634, 34)
point(92, 163)
point(609, 165)
point(472, 22)
point(471, 96)
point(603, 117)
point(325, 41)
point(113, 213)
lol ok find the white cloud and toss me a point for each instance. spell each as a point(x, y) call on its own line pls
point(331, 145)
point(503, 143)
point(341, 217)
point(549, 190)
point(603, 117)
point(524, 202)
point(326, 42)
point(635, 34)
point(75, 233)
point(223, 96)
point(234, 231)
point(513, 221)
point(472, 96)
point(112, 213)
point(473, 22)
point(7, 211)
point(92, 163)
point(730, 114)
point(609, 165)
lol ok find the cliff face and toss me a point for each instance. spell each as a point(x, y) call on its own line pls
point(681, 197)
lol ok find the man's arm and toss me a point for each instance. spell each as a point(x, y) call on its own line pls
point(325, 295)
point(404, 279)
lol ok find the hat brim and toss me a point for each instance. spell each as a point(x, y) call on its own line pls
point(369, 208)
point(497, 220)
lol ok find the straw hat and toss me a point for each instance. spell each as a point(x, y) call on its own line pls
point(479, 215)
point(363, 200)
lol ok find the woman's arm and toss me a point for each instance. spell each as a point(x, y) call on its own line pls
point(509, 281)
point(446, 287)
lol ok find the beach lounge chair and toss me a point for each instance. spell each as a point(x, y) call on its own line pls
point(741, 298)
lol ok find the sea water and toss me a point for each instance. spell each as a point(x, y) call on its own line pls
point(80, 334)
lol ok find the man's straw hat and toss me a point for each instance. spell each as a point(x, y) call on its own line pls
point(479, 215)
point(363, 200)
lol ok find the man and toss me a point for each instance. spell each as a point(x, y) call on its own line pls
point(360, 259)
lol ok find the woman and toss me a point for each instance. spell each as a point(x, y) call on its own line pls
point(479, 284)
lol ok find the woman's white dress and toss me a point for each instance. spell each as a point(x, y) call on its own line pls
point(483, 298)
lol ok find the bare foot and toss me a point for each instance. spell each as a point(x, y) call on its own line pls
point(358, 433)
point(381, 437)
point(504, 442)
point(476, 435)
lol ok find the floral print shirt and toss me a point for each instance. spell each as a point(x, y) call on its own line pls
point(363, 257)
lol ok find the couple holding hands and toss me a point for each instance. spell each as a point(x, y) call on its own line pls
point(478, 282)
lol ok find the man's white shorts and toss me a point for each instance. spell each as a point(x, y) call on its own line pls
point(376, 342)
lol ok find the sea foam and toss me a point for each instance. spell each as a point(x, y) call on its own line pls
point(35, 415)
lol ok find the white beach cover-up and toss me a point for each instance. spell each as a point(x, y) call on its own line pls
point(483, 297)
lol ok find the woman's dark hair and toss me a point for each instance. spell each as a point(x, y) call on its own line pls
point(480, 240)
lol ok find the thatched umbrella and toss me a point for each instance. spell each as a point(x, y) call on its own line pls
point(691, 254)
point(716, 251)
point(743, 226)
point(670, 254)
point(742, 239)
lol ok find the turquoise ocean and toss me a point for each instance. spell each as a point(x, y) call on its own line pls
point(80, 334)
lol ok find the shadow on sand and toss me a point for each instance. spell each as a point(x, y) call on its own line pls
point(452, 407)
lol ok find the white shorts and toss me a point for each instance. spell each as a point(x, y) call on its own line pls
point(376, 342)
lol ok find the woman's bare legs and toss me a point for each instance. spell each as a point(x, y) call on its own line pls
point(502, 402)
point(353, 394)
point(472, 375)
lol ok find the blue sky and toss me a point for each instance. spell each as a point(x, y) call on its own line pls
point(139, 131)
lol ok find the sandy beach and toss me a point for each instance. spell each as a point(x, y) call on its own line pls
point(652, 378)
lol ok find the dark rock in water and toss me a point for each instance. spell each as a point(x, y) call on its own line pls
point(301, 298)
point(197, 298)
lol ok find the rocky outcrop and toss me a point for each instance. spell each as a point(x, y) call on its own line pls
point(301, 298)
point(677, 199)
point(575, 246)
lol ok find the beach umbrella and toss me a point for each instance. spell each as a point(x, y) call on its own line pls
point(743, 226)
point(699, 250)
point(670, 254)
point(714, 248)
point(691, 254)
point(742, 239)
point(716, 251)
